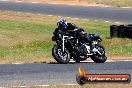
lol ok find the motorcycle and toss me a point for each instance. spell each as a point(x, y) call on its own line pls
point(68, 47)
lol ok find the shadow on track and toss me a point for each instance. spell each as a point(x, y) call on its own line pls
point(59, 63)
point(70, 63)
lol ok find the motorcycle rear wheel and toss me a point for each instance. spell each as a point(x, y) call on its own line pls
point(99, 58)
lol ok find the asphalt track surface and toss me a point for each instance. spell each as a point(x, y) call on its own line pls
point(86, 12)
point(52, 74)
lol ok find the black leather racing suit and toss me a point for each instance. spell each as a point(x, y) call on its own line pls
point(79, 33)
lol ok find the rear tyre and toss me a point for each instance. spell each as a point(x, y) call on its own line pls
point(97, 57)
point(60, 56)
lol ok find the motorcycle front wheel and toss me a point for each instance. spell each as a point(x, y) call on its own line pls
point(60, 56)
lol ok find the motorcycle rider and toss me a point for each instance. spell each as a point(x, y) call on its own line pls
point(63, 27)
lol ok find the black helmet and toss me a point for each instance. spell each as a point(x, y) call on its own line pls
point(62, 24)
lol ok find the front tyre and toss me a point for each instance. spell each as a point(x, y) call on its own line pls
point(101, 56)
point(60, 56)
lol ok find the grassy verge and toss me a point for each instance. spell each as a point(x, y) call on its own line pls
point(26, 38)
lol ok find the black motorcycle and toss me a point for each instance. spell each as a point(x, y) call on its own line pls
point(70, 47)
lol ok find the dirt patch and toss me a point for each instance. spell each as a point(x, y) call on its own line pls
point(102, 85)
point(68, 2)
point(29, 59)
point(120, 57)
point(117, 57)
point(41, 19)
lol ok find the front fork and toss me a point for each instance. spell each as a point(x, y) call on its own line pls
point(63, 43)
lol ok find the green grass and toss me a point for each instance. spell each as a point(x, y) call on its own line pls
point(37, 47)
point(118, 46)
point(30, 40)
point(28, 27)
